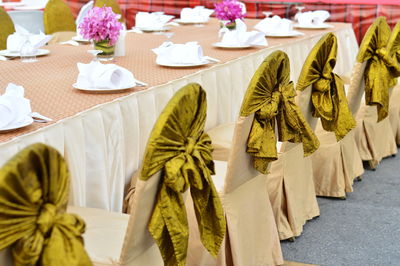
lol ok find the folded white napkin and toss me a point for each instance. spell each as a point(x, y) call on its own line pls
point(275, 25)
point(188, 53)
point(156, 20)
point(14, 108)
point(83, 11)
point(198, 14)
point(16, 40)
point(240, 36)
point(311, 18)
point(96, 75)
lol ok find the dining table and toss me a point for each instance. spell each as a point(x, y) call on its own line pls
point(103, 135)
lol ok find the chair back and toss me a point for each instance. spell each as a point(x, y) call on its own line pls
point(269, 105)
point(57, 17)
point(327, 100)
point(177, 156)
point(375, 70)
point(110, 3)
point(7, 28)
point(34, 226)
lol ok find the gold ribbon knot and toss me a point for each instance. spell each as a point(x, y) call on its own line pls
point(270, 96)
point(34, 195)
point(328, 96)
point(381, 69)
point(179, 148)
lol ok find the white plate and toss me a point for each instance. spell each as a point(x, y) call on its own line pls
point(319, 26)
point(26, 122)
point(188, 22)
point(205, 62)
point(293, 33)
point(80, 39)
point(123, 88)
point(39, 52)
point(147, 29)
point(227, 46)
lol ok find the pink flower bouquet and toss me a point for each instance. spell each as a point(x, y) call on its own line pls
point(101, 24)
point(228, 10)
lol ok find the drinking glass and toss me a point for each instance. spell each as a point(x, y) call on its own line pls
point(28, 51)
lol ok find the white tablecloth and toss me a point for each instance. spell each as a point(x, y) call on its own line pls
point(104, 145)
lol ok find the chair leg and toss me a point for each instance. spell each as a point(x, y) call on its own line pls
point(359, 178)
point(291, 239)
point(343, 198)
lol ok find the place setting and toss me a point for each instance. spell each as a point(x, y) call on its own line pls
point(312, 20)
point(97, 77)
point(156, 22)
point(185, 55)
point(16, 110)
point(197, 16)
point(240, 38)
point(277, 27)
point(25, 45)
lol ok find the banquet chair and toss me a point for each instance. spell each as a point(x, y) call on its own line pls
point(110, 3)
point(57, 17)
point(35, 228)
point(337, 162)
point(7, 28)
point(393, 48)
point(177, 156)
point(289, 182)
point(250, 224)
point(373, 76)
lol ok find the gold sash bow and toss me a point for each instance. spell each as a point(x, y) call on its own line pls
point(34, 188)
point(393, 47)
point(328, 95)
point(180, 148)
point(381, 68)
point(270, 96)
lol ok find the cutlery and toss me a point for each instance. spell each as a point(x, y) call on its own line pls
point(212, 59)
point(40, 118)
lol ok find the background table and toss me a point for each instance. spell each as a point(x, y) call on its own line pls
point(360, 13)
point(103, 136)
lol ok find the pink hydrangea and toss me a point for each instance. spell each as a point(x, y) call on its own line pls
point(228, 10)
point(101, 24)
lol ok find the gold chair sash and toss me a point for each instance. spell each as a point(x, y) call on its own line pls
point(393, 47)
point(34, 188)
point(180, 148)
point(57, 17)
point(328, 96)
point(7, 28)
point(381, 69)
point(270, 96)
point(110, 3)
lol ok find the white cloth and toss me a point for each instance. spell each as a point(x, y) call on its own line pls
point(156, 20)
point(14, 107)
point(100, 76)
point(83, 11)
point(16, 40)
point(188, 53)
point(240, 36)
point(275, 25)
point(198, 14)
point(313, 18)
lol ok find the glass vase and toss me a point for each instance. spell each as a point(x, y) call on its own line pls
point(230, 25)
point(107, 50)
